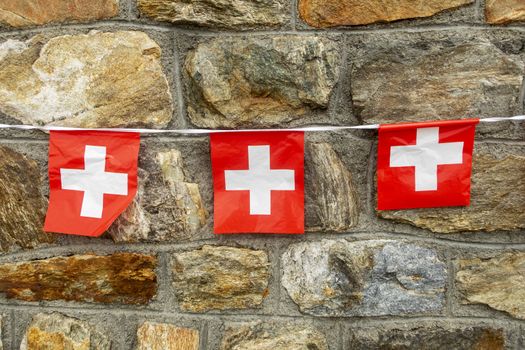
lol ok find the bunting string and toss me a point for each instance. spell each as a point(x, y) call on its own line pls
point(216, 131)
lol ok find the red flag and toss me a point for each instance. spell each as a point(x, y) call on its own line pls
point(92, 179)
point(258, 180)
point(422, 165)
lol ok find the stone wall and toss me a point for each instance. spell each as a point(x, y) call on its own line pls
point(358, 279)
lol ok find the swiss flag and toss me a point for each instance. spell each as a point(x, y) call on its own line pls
point(422, 165)
point(258, 180)
point(92, 179)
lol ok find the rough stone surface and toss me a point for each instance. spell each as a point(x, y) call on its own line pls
point(436, 82)
point(330, 187)
point(134, 224)
point(23, 13)
point(1, 343)
point(163, 336)
point(119, 278)
point(366, 278)
point(498, 282)
point(330, 13)
point(504, 11)
point(494, 205)
point(426, 337)
point(167, 207)
point(56, 331)
point(243, 82)
point(86, 80)
point(22, 205)
point(271, 336)
point(218, 277)
point(218, 13)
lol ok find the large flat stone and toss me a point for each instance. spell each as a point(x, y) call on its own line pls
point(119, 278)
point(504, 11)
point(23, 13)
point(259, 81)
point(86, 80)
point(164, 336)
point(218, 277)
point(412, 81)
point(271, 336)
point(426, 336)
point(498, 282)
point(56, 331)
point(167, 206)
point(331, 13)
point(365, 278)
point(218, 13)
point(330, 190)
point(22, 205)
point(495, 205)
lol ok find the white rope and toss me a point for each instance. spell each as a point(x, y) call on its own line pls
point(214, 131)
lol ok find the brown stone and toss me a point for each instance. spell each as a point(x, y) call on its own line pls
point(22, 205)
point(134, 224)
point(56, 331)
point(85, 80)
point(441, 82)
point(217, 277)
point(331, 13)
point(217, 13)
point(163, 336)
point(259, 81)
point(498, 282)
point(272, 336)
point(23, 13)
point(119, 278)
point(426, 336)
point(167, 206)
point(504, 11)
point(494, 205)
point(330, 189)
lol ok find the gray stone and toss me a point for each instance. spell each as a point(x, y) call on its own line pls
point(56, 331)
point(259, 81)
point(166, 207)
point(498, 282)
point(86, 80)
point(426, 336)
point(495, 205)
point(218, 13)
point(330, 187)
point(218, 277)
point(411, 80)
point(366, 278)
point(271, 336)
point(22, 205)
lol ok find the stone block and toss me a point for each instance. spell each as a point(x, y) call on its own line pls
point(220, 278)
point(125, 278)
point(163, 336)
point(504, 11)
point(367, 278)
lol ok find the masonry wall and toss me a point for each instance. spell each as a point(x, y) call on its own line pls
point(358, 278)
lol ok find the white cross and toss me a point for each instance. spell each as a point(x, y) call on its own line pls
point(260, 180)
point(94, 181)
point(425, 156)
